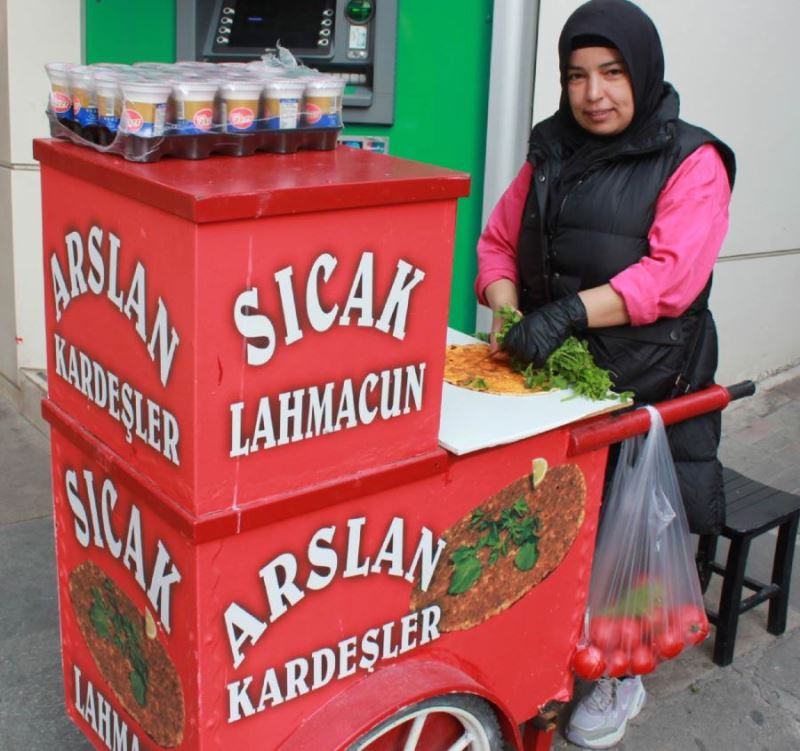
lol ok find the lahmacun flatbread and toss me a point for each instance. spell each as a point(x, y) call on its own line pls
point(471, 367)
point(137, 668)
point(558, 502)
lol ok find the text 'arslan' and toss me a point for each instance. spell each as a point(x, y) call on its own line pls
point(331, 553)
point(283, 589)
point(93, 266)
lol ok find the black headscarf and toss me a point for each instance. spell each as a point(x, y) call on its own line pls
point(626, 27)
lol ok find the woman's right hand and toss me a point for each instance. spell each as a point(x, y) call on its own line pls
point(497, 324)
point(499, 294)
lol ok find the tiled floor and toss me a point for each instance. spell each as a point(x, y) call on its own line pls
point(761, 436)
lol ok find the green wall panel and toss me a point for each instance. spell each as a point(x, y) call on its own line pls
point(129, 31)
point(442, 90)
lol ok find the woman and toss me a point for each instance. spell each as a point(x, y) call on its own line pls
point(610, 231)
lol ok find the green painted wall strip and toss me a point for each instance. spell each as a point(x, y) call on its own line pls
point(130, 31)
point(443, 55)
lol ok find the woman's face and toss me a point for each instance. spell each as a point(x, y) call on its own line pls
point(599, 90)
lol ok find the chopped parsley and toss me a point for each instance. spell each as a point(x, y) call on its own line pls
point(515, 526)
point(570, 366)
point(112, 626)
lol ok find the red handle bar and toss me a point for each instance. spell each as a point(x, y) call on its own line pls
point(618, 427)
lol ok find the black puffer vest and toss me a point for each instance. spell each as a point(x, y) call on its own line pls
point(600, 229)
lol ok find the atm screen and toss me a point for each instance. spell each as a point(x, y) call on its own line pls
point(263, 23)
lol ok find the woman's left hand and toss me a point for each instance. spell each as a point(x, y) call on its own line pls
point(539, 334)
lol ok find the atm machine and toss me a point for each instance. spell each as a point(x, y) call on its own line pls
point(353, 39)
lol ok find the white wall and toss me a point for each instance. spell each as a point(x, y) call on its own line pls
point(8, 321)
point(755, 303)
point(508, 121)
point(31, 34)
point(734, 64)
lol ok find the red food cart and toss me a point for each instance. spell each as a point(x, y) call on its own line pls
point(257, 525)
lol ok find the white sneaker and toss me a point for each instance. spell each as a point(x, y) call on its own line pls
point(601, 717)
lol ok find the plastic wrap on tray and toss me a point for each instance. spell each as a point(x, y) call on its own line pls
point(192, 110)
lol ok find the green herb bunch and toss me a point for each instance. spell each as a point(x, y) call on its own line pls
point(638, 600)
point(509, 317)
point(516, 526)
point(570, 366)
point(115, 628)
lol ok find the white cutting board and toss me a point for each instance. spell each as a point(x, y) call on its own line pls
point(473, 420)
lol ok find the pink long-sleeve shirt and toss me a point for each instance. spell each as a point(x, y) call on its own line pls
point(690, 223)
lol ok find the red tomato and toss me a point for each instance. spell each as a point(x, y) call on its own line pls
point(668, 643)
point(654, 622)
point(697, 633)
point(604, 632)
point(617, 663)
point(588, 663)
point(693, 623)
point(643, 660)
point(690, 614)
point(630, 634)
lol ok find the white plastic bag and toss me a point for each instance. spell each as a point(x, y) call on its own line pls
point(645, 602)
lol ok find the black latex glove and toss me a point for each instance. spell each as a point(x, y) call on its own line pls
point(539, 334)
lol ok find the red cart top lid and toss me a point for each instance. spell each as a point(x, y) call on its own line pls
point(224, 188)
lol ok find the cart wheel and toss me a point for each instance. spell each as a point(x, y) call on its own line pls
point(453, 722)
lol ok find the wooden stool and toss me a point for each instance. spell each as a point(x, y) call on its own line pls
point(751, 509)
